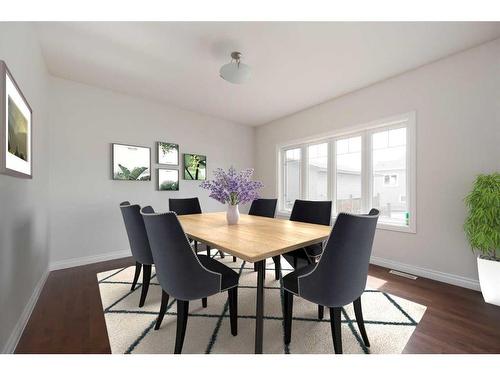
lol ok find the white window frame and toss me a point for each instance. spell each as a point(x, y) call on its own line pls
point(366, 131)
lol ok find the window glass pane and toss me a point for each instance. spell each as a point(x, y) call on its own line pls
point(292, 177)
point(317, 185)
point(348, 174)
point(389, 175)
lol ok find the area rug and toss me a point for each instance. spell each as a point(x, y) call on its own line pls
point(389, 320)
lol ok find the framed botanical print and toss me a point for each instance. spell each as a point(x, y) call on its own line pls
point(131, 163)
point(167, 153)
point(16, 128)
point(168, 179)
point(195, 167)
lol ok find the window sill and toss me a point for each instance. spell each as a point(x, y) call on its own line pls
point(380, 225)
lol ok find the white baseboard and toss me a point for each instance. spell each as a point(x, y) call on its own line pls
point(10, 345)
point(448, 278)
point(75, 262)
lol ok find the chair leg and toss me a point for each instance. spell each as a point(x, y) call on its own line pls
point(146, 277)
point(361, 322)
point(204, 302)
point(163, 308)
point(182, 317)
point(294, 263)
point(234, 259)
point(195, 246)
point(255, 267)
point(277, 267)
point(222, 255)
point(233, 309)
point(321, 312)
point(208, 251)
point(138, 267)
point(288, 312)
point(335, 324)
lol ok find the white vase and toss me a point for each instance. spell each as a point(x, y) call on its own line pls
point(233, 214)
point(489, 278)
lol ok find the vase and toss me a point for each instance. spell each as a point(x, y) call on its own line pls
point(233, 214)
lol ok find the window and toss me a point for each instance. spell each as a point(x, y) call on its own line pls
point(389, 162)
point(317, 172)
point(370, 166)
point(348, 175)
point(292, 177)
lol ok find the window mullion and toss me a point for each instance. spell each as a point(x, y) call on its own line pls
point(332, 174)
point(304, 175)
point(366, 172)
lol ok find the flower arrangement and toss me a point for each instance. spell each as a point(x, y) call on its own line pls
point(233, 187)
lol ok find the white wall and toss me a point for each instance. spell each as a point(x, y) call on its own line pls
point(84, 212)
point(457, 101)
point(24, 250)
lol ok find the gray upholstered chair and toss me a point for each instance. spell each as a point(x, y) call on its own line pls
point(183, 274)
point(313, 212)
point(139, 245)
point(265, 208)
point(188, 206)
point(339, 277)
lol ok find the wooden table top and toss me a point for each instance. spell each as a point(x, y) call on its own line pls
point(254, 238)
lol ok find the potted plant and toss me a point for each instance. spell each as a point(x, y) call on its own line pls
point(482, 228)
point(233, 188)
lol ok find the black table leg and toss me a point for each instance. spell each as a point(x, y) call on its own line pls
point(259, 321)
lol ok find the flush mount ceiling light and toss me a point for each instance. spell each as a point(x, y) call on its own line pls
point(235, 71)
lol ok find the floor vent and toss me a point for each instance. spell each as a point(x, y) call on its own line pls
point(407, 275)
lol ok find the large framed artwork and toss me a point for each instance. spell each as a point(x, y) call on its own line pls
point(195, 167)
point(167, 153)
point(16, 128)
point(131, 163)
point(168, 179)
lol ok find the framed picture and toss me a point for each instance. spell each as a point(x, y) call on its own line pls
point(131, 163)
point(195, 167)
point(167, 153)
point(168, 179)
point(16, 128)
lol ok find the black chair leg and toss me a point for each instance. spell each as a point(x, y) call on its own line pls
point(208, 251)
point(288, 311)
point(233, 309)
point(138, 267)
point(277, 267)
point(234, 259)
point(195, 246)
point(294, 263)
point(163, 308)
point(204, 302)
point(335, 324)
point(361, 322)
point(146, 277)
point(255, 267)
point(321, 312)
point(182, 317)
point(222, 255)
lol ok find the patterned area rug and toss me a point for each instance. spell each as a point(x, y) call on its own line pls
point(389, 320)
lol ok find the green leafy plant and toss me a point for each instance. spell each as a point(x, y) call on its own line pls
point(482, 226)
point(133, 174)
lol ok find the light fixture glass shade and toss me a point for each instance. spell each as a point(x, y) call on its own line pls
point(234, 72)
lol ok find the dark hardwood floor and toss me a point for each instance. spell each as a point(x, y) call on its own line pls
point(68, 317)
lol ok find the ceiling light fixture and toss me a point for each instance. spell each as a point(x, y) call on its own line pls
point(235, 71)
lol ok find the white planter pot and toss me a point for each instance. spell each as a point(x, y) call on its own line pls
point(233, 214)
point(489, 278)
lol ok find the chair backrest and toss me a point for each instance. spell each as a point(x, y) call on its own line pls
point(340, 275)
point(136, 232)
point(178, 269)
point(314, 212)
point(263, 207)
point(184, 206)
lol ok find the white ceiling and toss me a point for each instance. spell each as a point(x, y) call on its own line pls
point(294, 64)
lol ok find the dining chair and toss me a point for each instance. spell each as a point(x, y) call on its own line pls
point(188, 206)
point(183, 274)
point(139, 245)
point(266, 208)
point(339, 277)
point(314, 212)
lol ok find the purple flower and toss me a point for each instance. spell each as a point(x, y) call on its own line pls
point(233, 187)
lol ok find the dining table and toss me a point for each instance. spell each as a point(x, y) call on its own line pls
point(253, 239)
